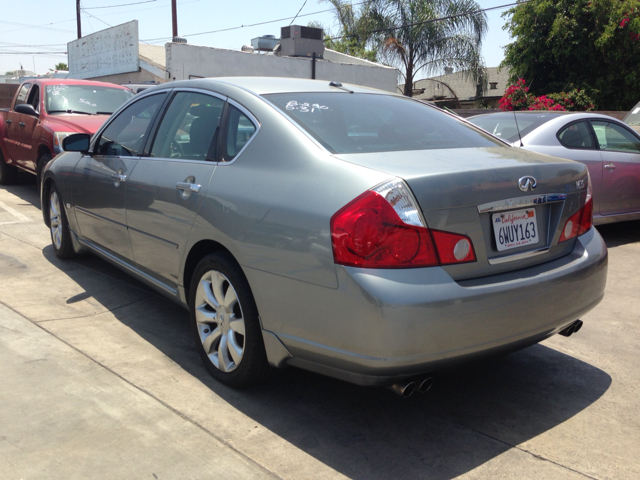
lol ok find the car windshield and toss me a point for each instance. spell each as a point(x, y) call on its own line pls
point(85, 99)
point(504, 125)
point(359, 123)
point(633, 117)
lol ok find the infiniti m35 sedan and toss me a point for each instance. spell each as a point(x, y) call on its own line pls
point(331, 227)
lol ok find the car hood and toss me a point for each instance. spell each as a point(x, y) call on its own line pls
point(77, 123)
point(461, 177)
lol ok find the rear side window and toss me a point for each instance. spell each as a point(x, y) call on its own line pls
point(615, 138)
point(239, 130)
point(359, 123)
point(576, 135)
point(189, 127)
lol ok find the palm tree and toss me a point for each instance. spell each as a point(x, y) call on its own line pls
point(355, 29)
point(424, 36)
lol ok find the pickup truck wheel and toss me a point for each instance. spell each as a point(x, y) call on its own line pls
point(8, 173)
point(42, 162)
point(59, 226)
point(225, 323)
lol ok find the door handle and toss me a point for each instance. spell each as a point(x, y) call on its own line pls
point(9, 121)
point(191, 187)
point(118, 177)
point(22, 124)
point(610, 167)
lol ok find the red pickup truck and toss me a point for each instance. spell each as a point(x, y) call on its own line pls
point(44, 112)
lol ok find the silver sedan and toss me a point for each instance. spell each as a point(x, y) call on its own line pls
point(610, 148)
point(343, 230)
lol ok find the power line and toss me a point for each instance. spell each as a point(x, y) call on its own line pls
point(123, 5)
point(305, 2)
point(433, 20)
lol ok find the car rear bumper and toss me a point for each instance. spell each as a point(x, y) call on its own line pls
point(381, 326)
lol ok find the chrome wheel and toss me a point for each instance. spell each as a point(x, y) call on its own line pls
point(55, 220)
point(220, 321)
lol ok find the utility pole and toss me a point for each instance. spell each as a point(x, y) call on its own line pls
point(78, 17)
point(174, 18)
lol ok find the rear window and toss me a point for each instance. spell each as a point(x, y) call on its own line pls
point(504, 125)
point(359, 123)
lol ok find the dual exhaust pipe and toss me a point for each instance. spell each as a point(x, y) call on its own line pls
point(408, 387)
point(571, 329)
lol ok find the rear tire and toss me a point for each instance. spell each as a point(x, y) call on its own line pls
point(59, 226)
point(8, 173)
point(225, 323)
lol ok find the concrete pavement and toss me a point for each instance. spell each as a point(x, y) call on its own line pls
point(98, 379)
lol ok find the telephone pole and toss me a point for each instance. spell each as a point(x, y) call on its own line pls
point(78, 17)
point(174, 18)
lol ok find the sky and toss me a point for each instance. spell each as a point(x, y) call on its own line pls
point(37, 38)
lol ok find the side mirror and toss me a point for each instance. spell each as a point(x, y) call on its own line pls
point(78, 142)
point(26, 108)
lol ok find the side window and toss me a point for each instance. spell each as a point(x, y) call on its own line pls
point(613, 137)
point(22, 94)
point(126, 134)
point(576, 135)
point(239, 130)
point(189, 128)
point(34, 98)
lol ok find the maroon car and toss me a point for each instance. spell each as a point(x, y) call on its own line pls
point(44, 112)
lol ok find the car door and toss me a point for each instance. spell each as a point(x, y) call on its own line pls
point(168, 186)
point(100, 177)
point(620, 151)
point(26, 155)
point(579, 144)
point(13, 128)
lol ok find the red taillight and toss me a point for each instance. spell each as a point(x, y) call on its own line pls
point(580, 222)
point(382, 228)
point(369, 233)
point(453, 248)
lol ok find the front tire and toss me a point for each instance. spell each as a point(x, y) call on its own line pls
point(225, 324)
point(42, 162)
point(59, 226)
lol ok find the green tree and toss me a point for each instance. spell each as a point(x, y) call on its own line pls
point(61, 66)
point(424, 36)
point(592, 44)
point(354, 34)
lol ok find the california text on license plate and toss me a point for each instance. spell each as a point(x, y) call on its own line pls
point(515, 229)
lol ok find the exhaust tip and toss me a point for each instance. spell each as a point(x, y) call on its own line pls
point(425, 385)
point(405, 390)
point(571, 329)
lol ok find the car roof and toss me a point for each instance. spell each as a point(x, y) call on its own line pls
point(267, 85)
point(65, 81)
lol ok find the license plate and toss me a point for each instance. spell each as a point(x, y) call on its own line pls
point(515, 229)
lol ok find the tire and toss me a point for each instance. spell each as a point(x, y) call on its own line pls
point(42, 162)
point(59, 226)
point(8, 173)
point(225, 324)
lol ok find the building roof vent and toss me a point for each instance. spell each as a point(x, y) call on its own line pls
point(265, 43)
point(179, 40)
point(247, 48)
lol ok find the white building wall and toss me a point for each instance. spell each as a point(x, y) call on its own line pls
point(189, 61)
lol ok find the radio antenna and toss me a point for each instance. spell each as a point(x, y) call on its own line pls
point(518, 128)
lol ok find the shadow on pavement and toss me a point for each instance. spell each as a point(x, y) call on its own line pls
point(25, 189)
point(469, 417)
point(616, 234)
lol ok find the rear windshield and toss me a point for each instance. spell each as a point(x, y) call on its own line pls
point(503, 125)
point(88, 99)
point(633, 117)
point(359, 123)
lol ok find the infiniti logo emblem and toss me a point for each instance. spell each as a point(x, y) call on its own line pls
point(527, 183)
